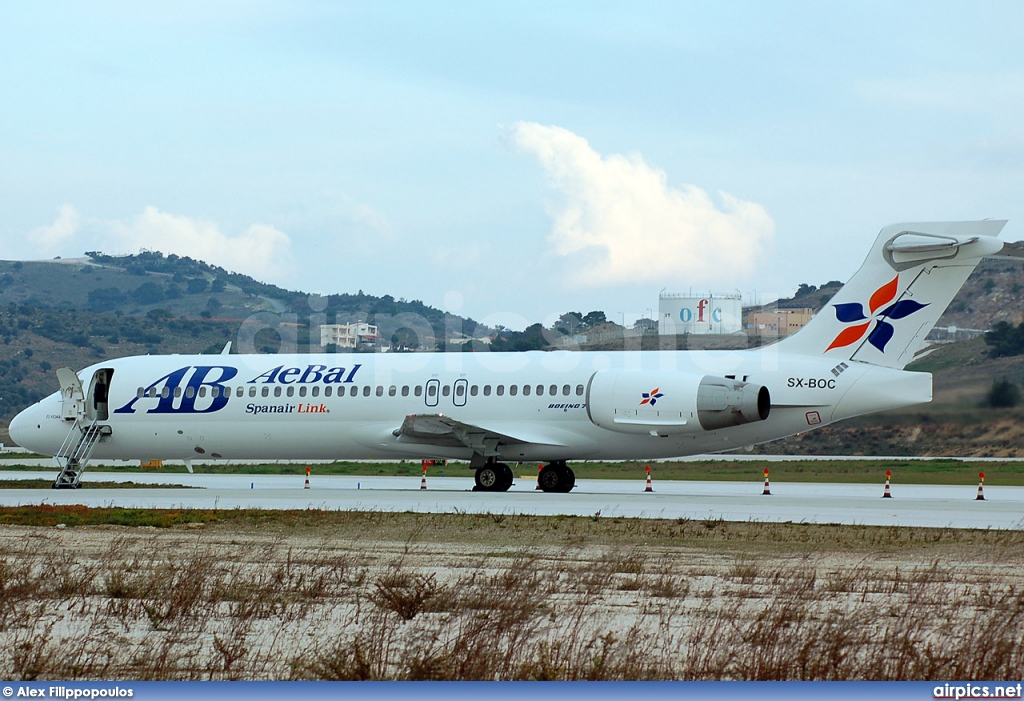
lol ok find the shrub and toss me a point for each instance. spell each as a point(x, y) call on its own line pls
point(1004, 339)
point(1004, 394)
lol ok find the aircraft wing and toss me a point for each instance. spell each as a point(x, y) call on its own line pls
point(441, 430)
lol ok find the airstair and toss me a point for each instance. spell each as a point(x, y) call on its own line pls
point(74, 454)
point(86, 427)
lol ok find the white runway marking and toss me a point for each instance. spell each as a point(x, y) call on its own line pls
point(912, 505)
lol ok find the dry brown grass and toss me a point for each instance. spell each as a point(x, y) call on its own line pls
point(401, 597)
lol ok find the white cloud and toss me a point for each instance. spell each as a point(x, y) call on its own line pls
point(377, 221)
point(261, 250)
point(619, 221)
point(49, 239)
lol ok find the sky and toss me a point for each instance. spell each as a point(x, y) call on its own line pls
point(507, 161)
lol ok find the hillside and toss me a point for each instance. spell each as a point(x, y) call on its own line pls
point(83, 285)
point(181, 287)
point(993, 293)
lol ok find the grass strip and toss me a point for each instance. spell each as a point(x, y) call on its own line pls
point(48, 484)
point(934, 471)
point(503, 533)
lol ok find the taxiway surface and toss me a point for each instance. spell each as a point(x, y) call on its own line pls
point(911, 505)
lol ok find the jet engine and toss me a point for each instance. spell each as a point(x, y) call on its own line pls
point(663, 403)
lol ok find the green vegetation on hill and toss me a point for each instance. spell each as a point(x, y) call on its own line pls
point(810, 297)
point(411, 324)
point(1003, 395)
point(85, 286)
point(1005, 339)
point(177, 286)
point(34, 341)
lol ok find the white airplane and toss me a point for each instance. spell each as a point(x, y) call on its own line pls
point(498, 408)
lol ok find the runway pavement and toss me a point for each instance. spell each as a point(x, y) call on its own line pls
point(11, 457)
point(911, 505)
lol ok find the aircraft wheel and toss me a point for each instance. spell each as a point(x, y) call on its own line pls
point(488, 478)
point(551, 478)
point(506, 477)
point(569, 479)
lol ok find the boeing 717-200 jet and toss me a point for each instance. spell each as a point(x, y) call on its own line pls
point(494, 408)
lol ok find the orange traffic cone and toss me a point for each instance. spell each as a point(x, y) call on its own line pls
point(886, 494)
point(981, 484)
point(649, 488)
point(767, 489)
point(423, 481)
point(307, 477)
point(540, 466)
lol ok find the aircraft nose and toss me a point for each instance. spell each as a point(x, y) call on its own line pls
point(19, 428)
point(39, 428)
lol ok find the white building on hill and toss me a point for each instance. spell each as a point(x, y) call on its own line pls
point(347, 335)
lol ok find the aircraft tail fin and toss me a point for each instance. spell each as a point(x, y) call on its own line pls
point(882, 315)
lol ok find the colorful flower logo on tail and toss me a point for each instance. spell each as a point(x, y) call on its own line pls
point(882, 333)
point(651, 397)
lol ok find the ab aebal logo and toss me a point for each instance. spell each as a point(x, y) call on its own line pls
point(180, 391)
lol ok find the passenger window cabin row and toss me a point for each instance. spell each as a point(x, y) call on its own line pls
point(367, 390)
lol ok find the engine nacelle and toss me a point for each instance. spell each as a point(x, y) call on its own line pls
point(662, 404)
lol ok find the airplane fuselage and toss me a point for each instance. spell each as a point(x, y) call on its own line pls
point(548, 406)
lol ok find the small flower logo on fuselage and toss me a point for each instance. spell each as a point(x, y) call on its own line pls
point(651, 397)
point(883, 331)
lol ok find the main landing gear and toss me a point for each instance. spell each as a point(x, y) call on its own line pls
point(557, 477)
point(493, 477)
